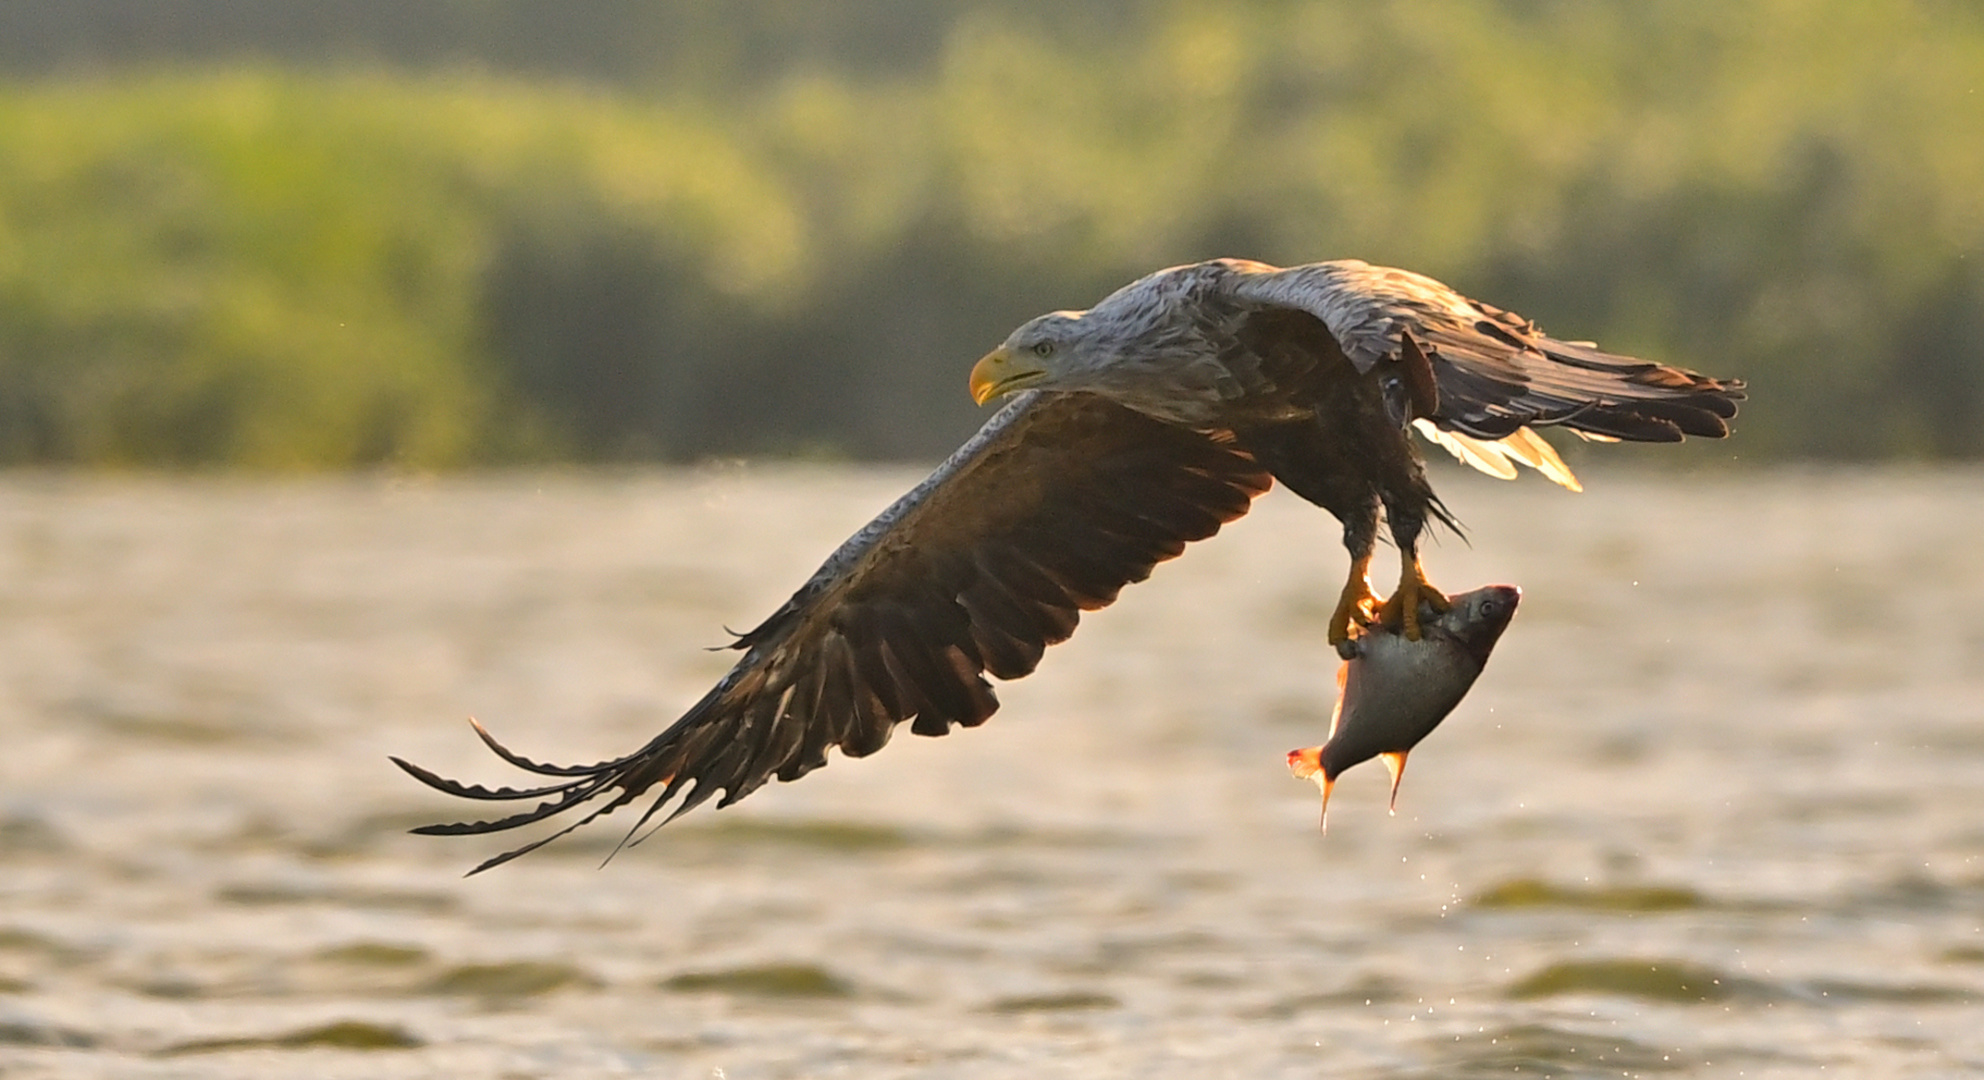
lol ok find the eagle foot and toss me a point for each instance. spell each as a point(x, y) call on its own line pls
point(1402, 610)
point(1357, 607)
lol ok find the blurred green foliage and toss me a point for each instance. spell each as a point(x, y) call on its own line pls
point(307, 266)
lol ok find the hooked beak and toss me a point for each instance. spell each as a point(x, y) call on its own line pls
point(999, 373)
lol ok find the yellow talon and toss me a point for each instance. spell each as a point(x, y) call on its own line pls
point(1402, 610)
point(1357, 606)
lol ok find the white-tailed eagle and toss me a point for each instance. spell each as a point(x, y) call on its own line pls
point(1135, 427)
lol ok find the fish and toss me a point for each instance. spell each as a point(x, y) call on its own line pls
point(1393, 691)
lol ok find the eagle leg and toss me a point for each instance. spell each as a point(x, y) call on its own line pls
point(1357, 606)
point(1402, 610)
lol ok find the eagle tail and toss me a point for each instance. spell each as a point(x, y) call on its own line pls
point(1499, 457)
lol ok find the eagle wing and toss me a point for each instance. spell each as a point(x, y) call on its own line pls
point(1058, 502)
point(1495, 372)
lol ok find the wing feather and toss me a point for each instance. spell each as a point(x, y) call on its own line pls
point(1055, 505)
point(1496, 373)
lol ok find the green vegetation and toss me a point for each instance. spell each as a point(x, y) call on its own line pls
point(311, 267)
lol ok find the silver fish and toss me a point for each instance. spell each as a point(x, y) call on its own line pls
point(1392, 691)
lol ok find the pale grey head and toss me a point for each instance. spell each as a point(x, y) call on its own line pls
point(1144, 346)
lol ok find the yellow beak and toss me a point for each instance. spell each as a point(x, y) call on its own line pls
point(998, 373)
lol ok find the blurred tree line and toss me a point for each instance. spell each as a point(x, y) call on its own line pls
point(429, 233)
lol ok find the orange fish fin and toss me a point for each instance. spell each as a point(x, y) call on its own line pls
point(1394, 764)
point(1306, 762)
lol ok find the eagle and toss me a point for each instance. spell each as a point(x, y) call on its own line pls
point(1132, 429)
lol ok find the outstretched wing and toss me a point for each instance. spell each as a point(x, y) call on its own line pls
point(1496, 373)
point(1057, 503)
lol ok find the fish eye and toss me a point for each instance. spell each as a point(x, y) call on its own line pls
point(1490, 607)
point(1043, 348)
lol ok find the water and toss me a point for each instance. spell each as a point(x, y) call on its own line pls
point(1714, 809)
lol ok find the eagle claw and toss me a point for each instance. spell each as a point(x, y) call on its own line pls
point(1401, 612)
point(1356, 608)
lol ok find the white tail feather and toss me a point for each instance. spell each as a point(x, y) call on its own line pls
point(1529, 448)
point(1495, 457)
point(1485, 456)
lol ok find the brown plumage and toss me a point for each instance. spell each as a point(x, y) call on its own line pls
point(1320, 370)
point(1055, 505)
point(1144, 423)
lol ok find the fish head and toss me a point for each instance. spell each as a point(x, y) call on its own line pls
point(1475, 620)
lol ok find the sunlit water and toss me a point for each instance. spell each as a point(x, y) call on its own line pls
point(1715, 809)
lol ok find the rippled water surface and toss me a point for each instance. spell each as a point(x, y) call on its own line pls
point(1715, 809)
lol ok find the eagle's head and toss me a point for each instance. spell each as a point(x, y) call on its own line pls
point(1052, 350)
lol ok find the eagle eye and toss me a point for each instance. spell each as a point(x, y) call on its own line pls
point(1043, 348)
